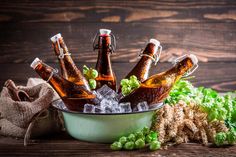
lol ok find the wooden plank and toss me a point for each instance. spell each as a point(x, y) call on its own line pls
point(217, 75)
point(21, 42)
point(118, 11)
point(70, 147)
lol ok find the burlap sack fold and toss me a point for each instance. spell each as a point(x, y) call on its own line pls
point(18, 118)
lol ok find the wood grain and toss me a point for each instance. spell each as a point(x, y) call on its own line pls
point(210, 42)
point(66, 146)
point(127, 11)
point(217, 75)
point(205, 28)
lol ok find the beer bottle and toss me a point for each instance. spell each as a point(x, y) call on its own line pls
point(148, 55)
point(157, 87)
point(103, 65)
point(73, 95)
point(68, 68)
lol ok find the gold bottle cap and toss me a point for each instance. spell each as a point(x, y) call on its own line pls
point(55, 37)
point(105, 31)
point(35, 63)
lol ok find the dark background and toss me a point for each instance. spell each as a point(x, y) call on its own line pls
point(205, 28)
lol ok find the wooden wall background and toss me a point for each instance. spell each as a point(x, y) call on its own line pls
point(205, 28)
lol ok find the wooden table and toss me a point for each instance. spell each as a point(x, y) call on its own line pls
point(205, 28)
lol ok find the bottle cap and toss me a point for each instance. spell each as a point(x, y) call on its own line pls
point(104, 31)
point(193, 58)
point(35, 63)
point(154, 41)
point(55, 37)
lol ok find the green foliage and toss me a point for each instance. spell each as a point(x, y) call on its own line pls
point(217, 107)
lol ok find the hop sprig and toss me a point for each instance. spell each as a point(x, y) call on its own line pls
point(90, 74)
point(138, 140)
point(128, 85)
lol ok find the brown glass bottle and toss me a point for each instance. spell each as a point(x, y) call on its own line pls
point(103, 66)
point(68, 68)
point(73, 95)
point(149, 55)
point(157, 87)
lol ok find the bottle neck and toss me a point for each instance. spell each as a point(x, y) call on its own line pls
point(103, 65)
point(141, 70)
point(182, 67)
point(68, 68)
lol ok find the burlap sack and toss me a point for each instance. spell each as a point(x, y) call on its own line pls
point(23, 118)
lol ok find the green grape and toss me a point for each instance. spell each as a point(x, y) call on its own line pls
point(231, 137)
point(145, 130)
point(131, 137)
point(123, 140)
point(154, 145)
point(129, 145)
point(93, 73)
point(92, 83)
point(220, 138)
point(85, 69)
point(116, 146)
point(140, 143)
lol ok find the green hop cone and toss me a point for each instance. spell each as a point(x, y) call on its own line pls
point(148, 138)
point(131, 137)
point(133, 77)
point(123, 140)
point(231, 137)
point(92, 83)
point(129, 145)
point(220, 138)
point(116, 146)
point(140, 143)
point(124, 82)
point(85, 70)
point(125, 90)
point(155, 145)
point(134, 84)
point(139, 134)
point(93, 73)
point(146, 130)
point(153, 135)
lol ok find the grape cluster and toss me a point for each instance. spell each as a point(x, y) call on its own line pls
point(138, 140)
point(128, 85)
point(90, 74)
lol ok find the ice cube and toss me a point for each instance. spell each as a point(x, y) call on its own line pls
point(125, 107)
point(105, 102)
point(142, 106)
point(107, 92)
point(98, 109)
point(108, 109)
point(98, 95)
point(116, 109)
point(89, 108)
